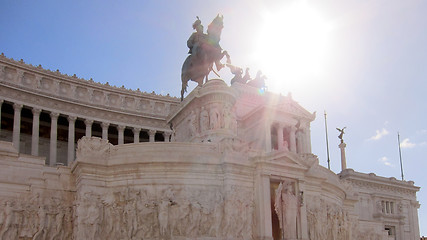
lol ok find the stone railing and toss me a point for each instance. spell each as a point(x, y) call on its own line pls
point(71, 88)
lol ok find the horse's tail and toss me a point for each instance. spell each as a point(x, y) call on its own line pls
point(185, 76)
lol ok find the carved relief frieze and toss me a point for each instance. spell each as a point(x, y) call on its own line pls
point(41, 215)
point(98, 97)
point(165, 212)
point(29, 80)
point(129, 103)
point(145, 106)
point(328, 220)
point(113, 100)
point(10, 74)
point(159, 108)
point(81, 93)
point(64, 89)
point(46, 84)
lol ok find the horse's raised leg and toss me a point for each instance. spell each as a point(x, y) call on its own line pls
point(182, 95)
point(183, 88)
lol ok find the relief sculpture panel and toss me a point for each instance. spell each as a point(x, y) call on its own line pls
point(164, 212)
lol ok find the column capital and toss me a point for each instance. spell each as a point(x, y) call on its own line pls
point(293, 128)
point(1, 101)
point(151, 131)
point(167, 135)
point(36, 111)
point(88, 122)
point(136, 130)
point(121, 127)
point(105, 125)
point(54, 115)
point(17, 106)
point(71, 118)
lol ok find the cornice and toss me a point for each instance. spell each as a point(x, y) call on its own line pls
point(377, 183)
point(83, 82)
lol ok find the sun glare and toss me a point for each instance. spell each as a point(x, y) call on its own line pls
point(292, 47)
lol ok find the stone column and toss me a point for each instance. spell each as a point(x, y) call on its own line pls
point(267, 130)
point(307, 139)
point(292, 140)
point(263, 207)
point(17, 125)
point(53, 137)
point(280, 137)
point(121, 130)
point(88, 124)
point(1, 103)
point(152, 134)
point(35, 133)
point(166, 135)
point(71, 138)
point(343, 161)
point(105, 126)
point(136, 135)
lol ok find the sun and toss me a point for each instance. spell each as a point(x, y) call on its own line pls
point(292, 47)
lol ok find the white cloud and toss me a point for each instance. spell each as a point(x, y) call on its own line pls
point(385, 161)
point(379, 134)
point(407, 144)
point(422, 131)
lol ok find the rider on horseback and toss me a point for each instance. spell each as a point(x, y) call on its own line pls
point(204, 52)
point(197, 38)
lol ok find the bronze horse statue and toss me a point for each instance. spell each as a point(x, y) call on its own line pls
point(205, 51)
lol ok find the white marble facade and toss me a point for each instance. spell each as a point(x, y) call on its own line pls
point(229, 163)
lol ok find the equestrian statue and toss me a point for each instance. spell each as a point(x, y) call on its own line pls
point(204, 52)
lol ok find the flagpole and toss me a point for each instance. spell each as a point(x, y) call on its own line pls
point(327, 143)
point(400, 155)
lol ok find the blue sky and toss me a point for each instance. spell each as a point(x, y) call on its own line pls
point(370, 75)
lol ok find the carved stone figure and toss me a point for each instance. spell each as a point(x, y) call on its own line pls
point(163, 216)
point(341, 133)
point(192, 124)
point(286, 207)
point(8, 219)
point(42, 215)
point(214, 118)
point(237, 72)
point(258, 81)
point(204, 120)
